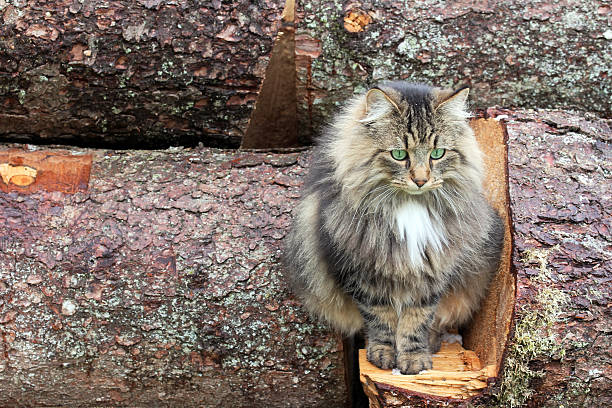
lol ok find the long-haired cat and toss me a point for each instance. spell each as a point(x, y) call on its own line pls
point(393, 231)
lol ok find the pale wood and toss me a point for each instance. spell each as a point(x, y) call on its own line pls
point(289, 11)
point(488, 332)
point(18, 175)
point(456, 373)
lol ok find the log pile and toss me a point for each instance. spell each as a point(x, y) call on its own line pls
point(136, 73)
point(132, 278)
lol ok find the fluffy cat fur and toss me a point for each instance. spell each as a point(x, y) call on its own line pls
point(402, 248)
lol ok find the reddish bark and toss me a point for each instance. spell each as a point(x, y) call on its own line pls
point(132, 73)
point(160, 284)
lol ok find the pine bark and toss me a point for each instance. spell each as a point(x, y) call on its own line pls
point(132, 73)
point(523, 53)
point(159, 284)
point(136, 73)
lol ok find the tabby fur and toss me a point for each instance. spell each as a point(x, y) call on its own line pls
point(403, 248)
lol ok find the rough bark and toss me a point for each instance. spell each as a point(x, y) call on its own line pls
point(559, 354)
point(132, 73)
point(560, 175)
point(526, 53)
point(160, 285)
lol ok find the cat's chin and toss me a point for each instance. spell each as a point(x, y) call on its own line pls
point(416, 192)
point(413, 190)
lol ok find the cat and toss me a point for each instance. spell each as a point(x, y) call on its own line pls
point(393, 233)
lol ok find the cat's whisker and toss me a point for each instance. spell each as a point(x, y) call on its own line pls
point(388, 194)
point(367, 206)
point(436, 183)
point(446, 196)
point(381, 198)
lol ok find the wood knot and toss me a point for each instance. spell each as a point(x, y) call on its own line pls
point(356, 20)
point(18, 175)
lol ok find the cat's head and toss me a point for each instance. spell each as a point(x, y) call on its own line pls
point(413, 137)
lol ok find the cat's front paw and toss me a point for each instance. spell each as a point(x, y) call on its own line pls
point(381, 355)
point(414, 363)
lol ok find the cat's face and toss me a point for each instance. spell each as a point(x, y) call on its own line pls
point(414, 140)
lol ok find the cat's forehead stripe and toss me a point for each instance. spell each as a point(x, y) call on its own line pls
point(418, 124)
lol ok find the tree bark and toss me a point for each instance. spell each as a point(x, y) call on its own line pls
point(511, 53)
point(160, 284)
point(152, 73)
point(132, 73)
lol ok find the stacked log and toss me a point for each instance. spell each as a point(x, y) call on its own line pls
point(559, 346)
point(158, 281)
point(132, 73)
point(153, 73)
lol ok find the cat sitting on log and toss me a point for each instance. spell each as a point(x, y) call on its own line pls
point(393, 233)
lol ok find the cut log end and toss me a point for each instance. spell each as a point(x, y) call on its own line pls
point(31, 171)
point(457, 373)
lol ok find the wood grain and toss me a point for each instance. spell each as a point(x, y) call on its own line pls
point(457, 373)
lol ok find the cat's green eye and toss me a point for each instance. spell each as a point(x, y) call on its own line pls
point(437, 153)
point(399, 154)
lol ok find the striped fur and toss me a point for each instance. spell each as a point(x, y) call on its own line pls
point(371, 249)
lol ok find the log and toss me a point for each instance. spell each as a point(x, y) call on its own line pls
point(159, 282)
point(511, 53)
point(132, 73)
point(153, 73)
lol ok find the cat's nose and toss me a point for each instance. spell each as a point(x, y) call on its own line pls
point(420, 182)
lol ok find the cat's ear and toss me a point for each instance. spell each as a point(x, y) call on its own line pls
point(452, 101)
point(377, 104)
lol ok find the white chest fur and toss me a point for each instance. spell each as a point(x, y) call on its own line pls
point(419, 230)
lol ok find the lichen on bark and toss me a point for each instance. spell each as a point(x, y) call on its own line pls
point(533, 335)
point(513, 54)
point(160, 285)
